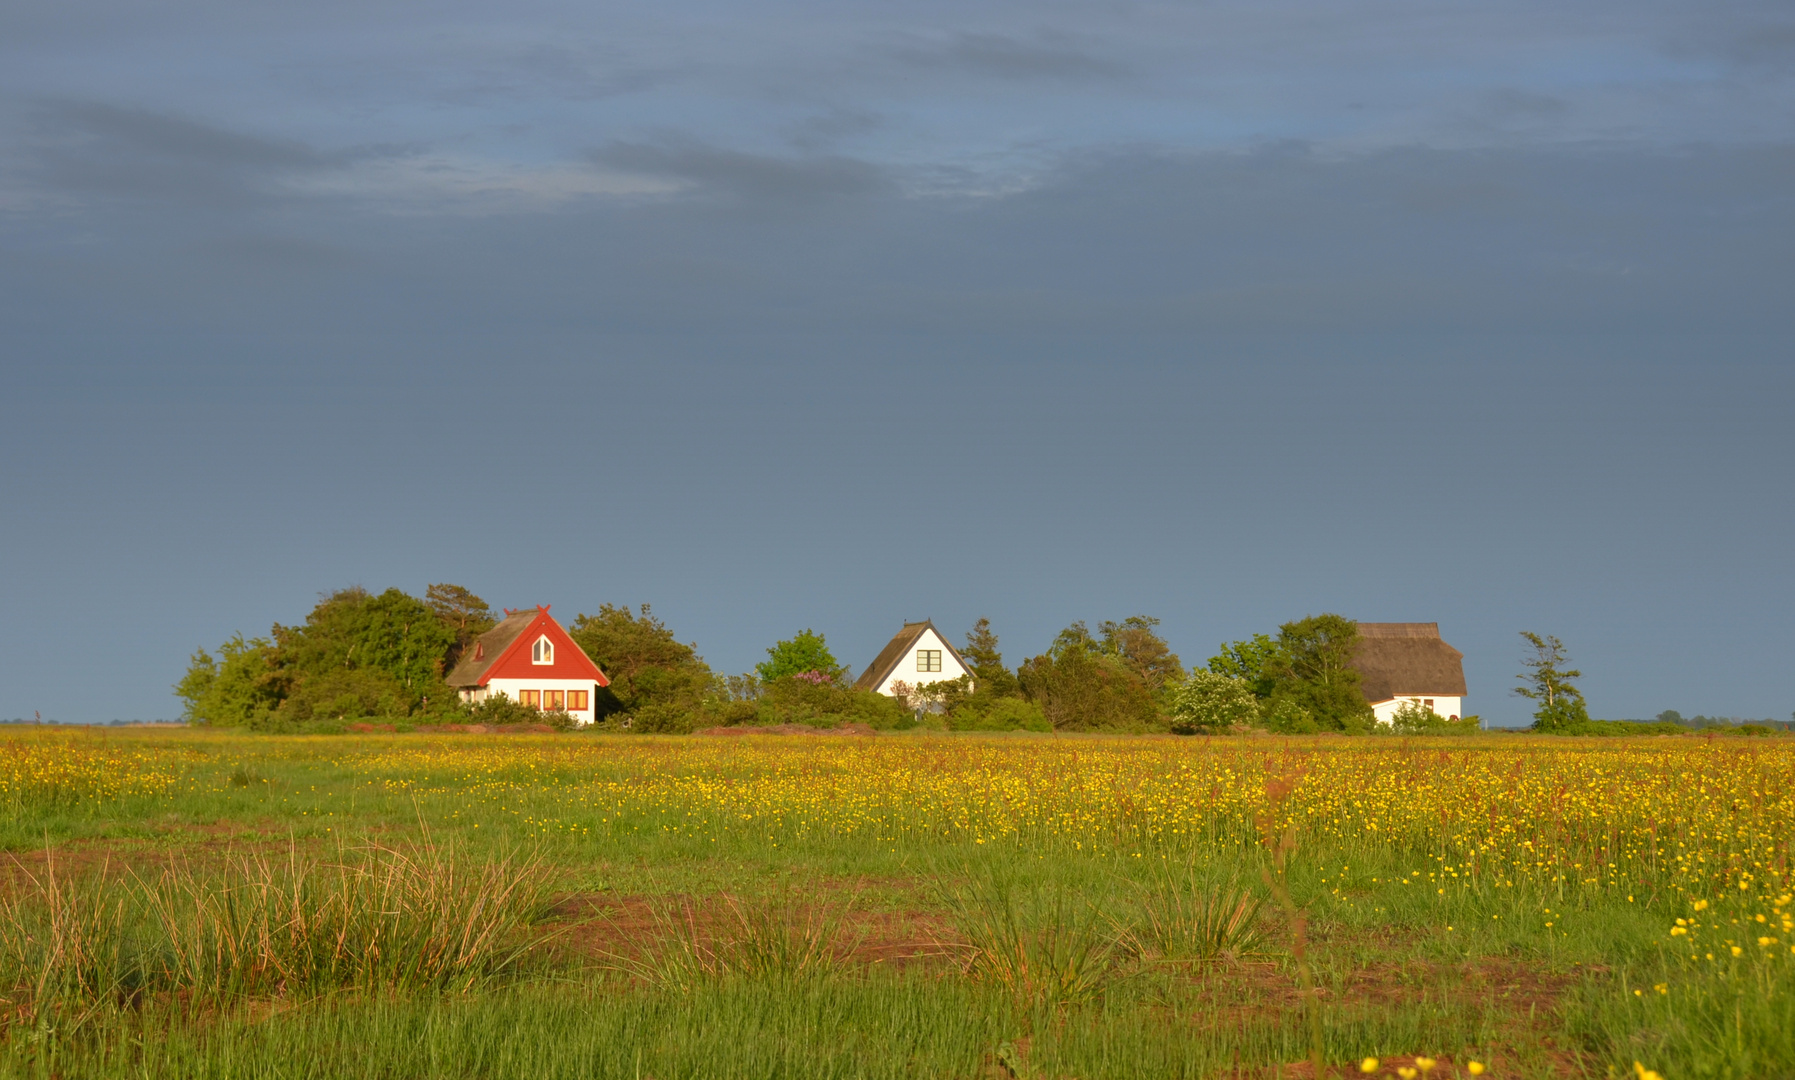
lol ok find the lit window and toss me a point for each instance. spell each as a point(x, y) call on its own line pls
point(576, 700)
point(554, 700)
point(543, 652)
point(532, 698)
point(928, 659)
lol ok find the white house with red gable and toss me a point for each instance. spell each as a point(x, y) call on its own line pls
point(530, 659)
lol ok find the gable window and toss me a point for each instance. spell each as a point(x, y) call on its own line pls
point(576, 700)
point(543, 652)
point(532, 698)
point(928, 659)
point(479, 650)
point(554, 700)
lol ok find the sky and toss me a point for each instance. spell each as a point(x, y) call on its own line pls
point(781, 315)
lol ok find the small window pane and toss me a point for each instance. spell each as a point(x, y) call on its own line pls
point(928, 659)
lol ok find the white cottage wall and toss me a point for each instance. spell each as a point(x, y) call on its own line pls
point(906, 672)
point(1449, 707)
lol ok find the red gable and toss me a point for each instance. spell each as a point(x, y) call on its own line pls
point(518, 661)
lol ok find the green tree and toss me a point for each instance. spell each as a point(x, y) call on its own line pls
point(646, 664)
point(991, 678)
point(461, 611)
point(237, 688)
point(1134, 642)
point(1207, 701)
point(1548, 684)
point(1080, 687)
point(1312, 668)
point(392, 634)
point(804, 653)
point(1247, 660)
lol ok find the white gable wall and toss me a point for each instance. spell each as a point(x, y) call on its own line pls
point(1449, 707)
point(906, 672)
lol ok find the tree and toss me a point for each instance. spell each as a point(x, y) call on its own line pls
point(1247, 660)
point(235, 689)
point(1312, 668)
point(990, 676)
point(1549, 684)
point(1207, 701)
point(646, 664)
point(1080, 687)
point(1143, 651)
point(804, 653)
point(392, 635)
point(461, 611)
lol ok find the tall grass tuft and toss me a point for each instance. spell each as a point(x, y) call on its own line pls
point(417, 918)
point(1042, 946)
point(730, 938)
point(1184, 918)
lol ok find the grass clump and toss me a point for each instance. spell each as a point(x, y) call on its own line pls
point(410, 918)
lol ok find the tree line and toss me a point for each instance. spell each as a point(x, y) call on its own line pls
point(365, 656)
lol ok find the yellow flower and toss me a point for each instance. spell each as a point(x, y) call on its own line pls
point(1406, 1073)
point(1700, 905)
point(1475, 1068)
point(1662, 988)
point(1737, 950)
point(1766, 942)
point(1426, 1064)
point(1369, 1065)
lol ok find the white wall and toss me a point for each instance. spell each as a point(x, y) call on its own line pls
point(906, 668)
point(510, 687)
point(1450, 707)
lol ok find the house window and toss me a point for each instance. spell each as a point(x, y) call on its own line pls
point(576, 700)
point(928, 659)
point(479, 650)
point(554, 700)
point(543, 652)
point(1429, 702)
point(532, 698)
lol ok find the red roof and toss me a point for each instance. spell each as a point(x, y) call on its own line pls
point(506, 652)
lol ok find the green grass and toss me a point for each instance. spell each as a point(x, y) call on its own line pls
point(278, 913)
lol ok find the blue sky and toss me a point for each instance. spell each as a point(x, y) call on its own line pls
point(784, 315)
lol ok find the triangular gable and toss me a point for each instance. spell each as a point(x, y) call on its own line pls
point(898, 647)
point(507, 652)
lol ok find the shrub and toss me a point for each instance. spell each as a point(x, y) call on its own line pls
point(822, 703)
point(1207, 702)
point(979, 713)
point(1413, 718)
point(1286, 717)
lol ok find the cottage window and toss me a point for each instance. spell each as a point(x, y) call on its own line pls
point(1429, 702)
point(554, 700)
point(532, 698)
point(576, 700)
point(543, 652)
point(928, 659)
point(479, 650)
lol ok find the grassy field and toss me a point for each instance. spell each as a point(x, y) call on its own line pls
point(192, 903)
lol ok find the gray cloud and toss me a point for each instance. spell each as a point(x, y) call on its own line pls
point(750, 177)
point(999, 56)
point(94, 148)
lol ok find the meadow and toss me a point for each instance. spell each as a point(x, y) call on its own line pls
point(207, 904)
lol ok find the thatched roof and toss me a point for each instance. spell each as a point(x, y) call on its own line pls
point(893, 653)
point(1407, 660)
point(488, 647)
